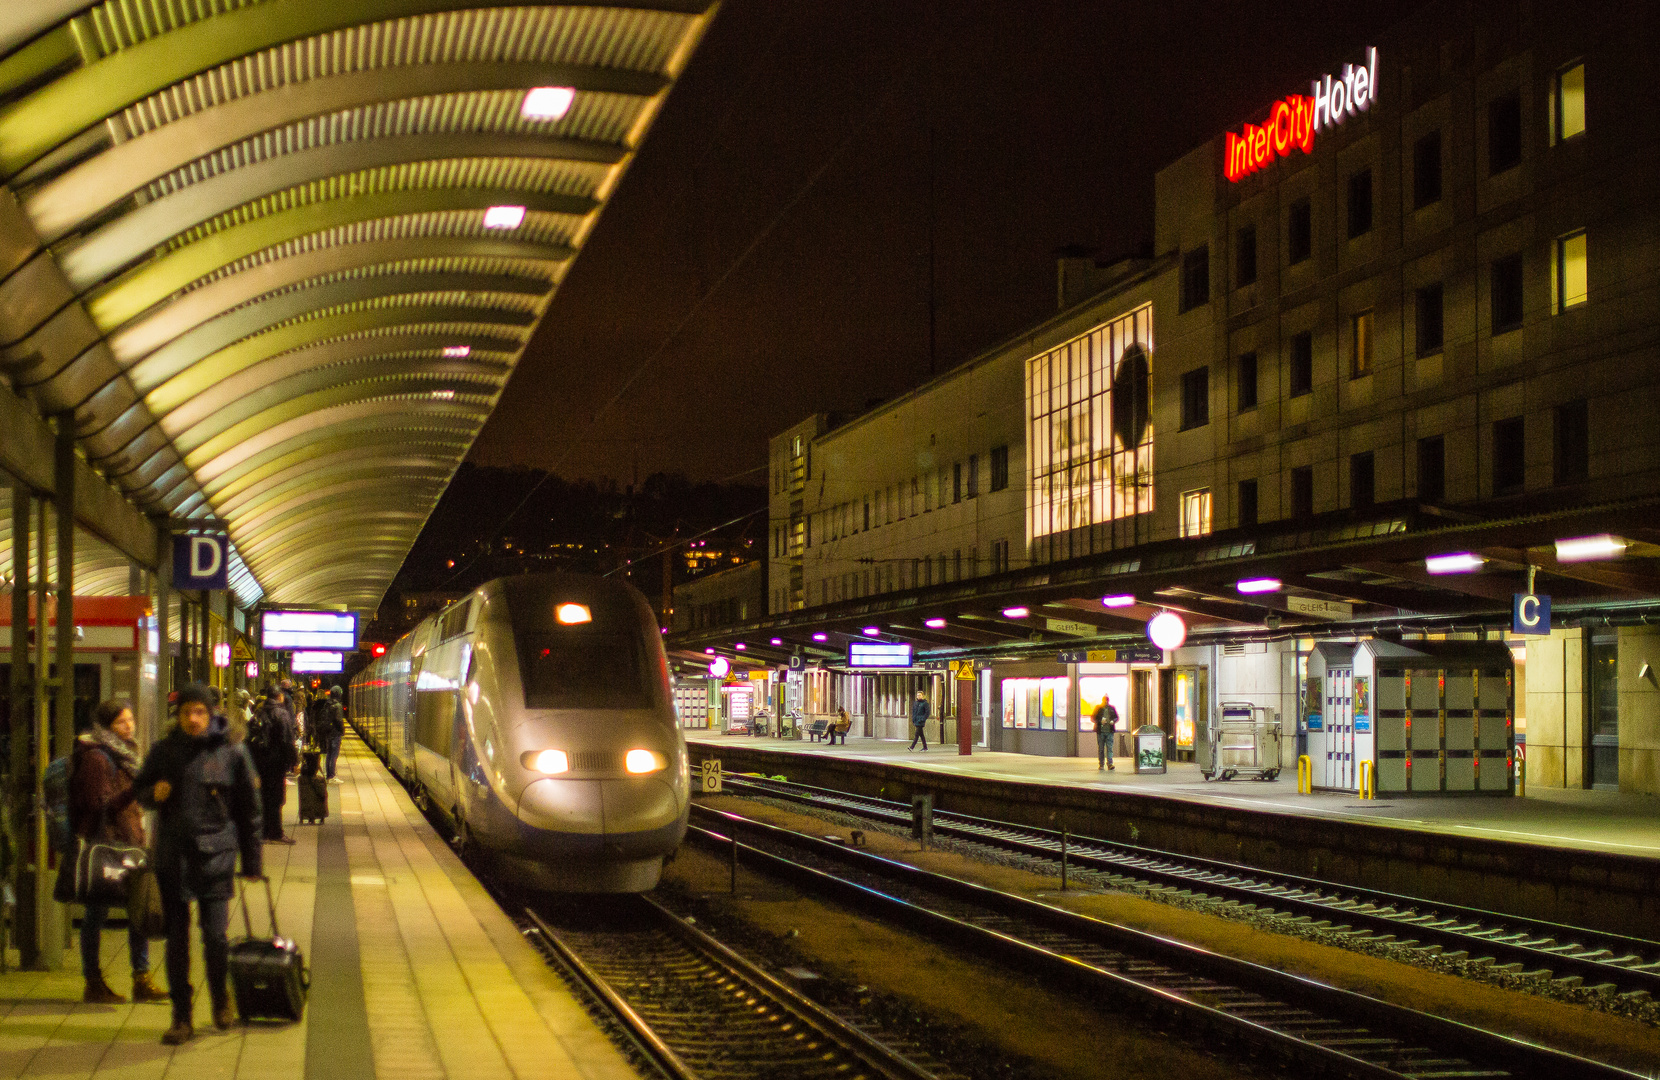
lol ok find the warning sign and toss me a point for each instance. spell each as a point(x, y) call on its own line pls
point(241, 651)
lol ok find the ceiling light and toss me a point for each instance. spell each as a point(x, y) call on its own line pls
point(778, 641)
point(935, 624)
point(719, 667)
point(871, 631)
point(1258, 585)
point(1167, 630)
point(1121, 600)
point(1587, 548)
point(504, 217)
point(740, 646)
point(458, 351)
point(547, 103)
point(1460, 562)
point(709, 652)
point(821, 637)
point(444, 395)
point(1015, 613)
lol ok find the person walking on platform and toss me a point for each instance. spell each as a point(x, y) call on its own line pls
point(271, 739)
point(919, 720)
point(207, 802)
point(103, 809)
point(326, 723)
point(1106, 729)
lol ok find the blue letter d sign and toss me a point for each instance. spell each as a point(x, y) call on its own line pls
point(199, 562)
point(1530, 614)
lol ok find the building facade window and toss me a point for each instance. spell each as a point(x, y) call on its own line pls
point(1362, 481)
point(1196, 512)
point(1196, 398)
point(1247, 503)
point(1245, 255)
point(1299, 231)
point(1302, 364)
point(1568, 272)
point(1571, 449)
point(1505, 293)
point(1504, 133)
point(1568, 103)
point(1426, 170)
point(1432, 469)
point(956, 482)
point(1245, 376)
point(1196, 278)
point(1089, 435)
point(973, 475)
point(1430, 312)
point(1509, 456)
point(999, 468)
point(1360, 345)
point(1302, 492)
point(1360, 203)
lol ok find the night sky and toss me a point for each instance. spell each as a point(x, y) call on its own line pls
point(766, 256)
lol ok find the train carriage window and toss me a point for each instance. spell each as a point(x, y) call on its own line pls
point(455, 620)
point(584, 667)
point(435, 717)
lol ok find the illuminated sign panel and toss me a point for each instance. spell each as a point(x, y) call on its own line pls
point(1293, 122)
point(878, 654)
point(332, 630)
point(321, 663)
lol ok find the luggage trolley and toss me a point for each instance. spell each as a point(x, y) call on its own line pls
point(1244, 742)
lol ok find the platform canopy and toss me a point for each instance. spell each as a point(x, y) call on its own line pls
point(276, 259)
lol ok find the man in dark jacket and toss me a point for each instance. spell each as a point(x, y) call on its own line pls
point(919, 720)
point(271, 739)
point(326, 724)
point(207, 799)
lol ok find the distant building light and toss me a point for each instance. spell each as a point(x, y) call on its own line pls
point(1460, 562)
point(547, 102)
point(1587, 548)
point(935, 624)
point(457, 352)
point(1258, 585)
point(504, 217)
point(1015, 612)
point(1121, 600)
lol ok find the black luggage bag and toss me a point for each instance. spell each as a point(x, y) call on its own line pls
point(268, 975)
point(314, 789)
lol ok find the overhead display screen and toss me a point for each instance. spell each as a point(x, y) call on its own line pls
point(332, 630)
point(878, 654)
point(318, 663)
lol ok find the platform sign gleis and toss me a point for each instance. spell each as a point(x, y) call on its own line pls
point(200, 562)
point(1530, 614)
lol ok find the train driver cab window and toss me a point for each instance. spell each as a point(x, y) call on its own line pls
point(584, 667)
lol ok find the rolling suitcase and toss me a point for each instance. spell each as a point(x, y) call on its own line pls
point(314, 789)
point(268, 975)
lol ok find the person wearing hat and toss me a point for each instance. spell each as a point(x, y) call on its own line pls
point(204, 791)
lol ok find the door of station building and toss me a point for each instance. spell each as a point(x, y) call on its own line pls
point(1604, 718)
point(1339, 764)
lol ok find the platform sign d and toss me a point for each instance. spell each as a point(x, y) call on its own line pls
point(199, 562)
point(1530, 614)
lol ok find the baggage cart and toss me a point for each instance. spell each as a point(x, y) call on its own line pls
point(1243, 743)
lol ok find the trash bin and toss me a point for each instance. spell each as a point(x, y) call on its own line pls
point(1149, 749)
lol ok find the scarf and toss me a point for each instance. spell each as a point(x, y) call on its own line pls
point(124, 752)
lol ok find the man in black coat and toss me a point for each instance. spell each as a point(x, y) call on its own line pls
point(271, 739)
point(207, 801)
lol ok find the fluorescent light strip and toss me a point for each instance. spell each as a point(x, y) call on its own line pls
point(1459, 562)
point(1258, 585)
point(1588, 548)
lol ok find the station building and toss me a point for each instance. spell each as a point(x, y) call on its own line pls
point(1409, 310)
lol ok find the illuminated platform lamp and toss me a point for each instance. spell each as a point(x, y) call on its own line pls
point(935, 624)
point(1457, 562)
point(871, 631)
point(778, 641)
point(443, 395)
point(1121, 600)
point(719, 667)
point(740, 646)
point(1167, 630)
point(1016, 612)
point(547, 102)
point(1590, 548)
point(504, 217)
point(1253, 586)
point(709, 652)
point(821, 637)
point(457, 352)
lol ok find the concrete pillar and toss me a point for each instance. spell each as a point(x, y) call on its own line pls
point(63, 506)
point(164, 623)
point(44, 927)
point(21, 766)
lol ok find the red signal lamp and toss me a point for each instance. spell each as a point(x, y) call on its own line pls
point(377, 649)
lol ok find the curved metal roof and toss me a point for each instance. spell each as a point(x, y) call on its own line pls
point(247, 245)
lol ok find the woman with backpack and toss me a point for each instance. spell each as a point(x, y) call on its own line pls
point(103, 809)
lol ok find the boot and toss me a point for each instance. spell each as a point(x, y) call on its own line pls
point(223, 1016)
point(98, 992)
point(145, 988)
point(178, 1034)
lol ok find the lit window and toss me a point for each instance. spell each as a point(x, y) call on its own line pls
point(1196, 512)
point(1361, 362)
point(1569, 271)
point(547, 102)
point(1568, 117)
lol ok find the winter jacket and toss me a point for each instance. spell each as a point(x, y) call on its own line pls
point(274, 750)
point(211, 812)
point(101, 797)
point(919, 712)
point(324, 720)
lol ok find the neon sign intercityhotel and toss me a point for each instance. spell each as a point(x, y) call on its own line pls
point(1293, 122)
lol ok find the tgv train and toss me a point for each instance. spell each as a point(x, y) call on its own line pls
point(536, 716)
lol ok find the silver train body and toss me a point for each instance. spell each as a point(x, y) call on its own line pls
point(536, 716)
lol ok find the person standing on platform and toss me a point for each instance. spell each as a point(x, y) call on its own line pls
point(919, 720)
point(103, 809)
point(207, 802)
point(327, 724)
point(1106, 729)
point(271, 739)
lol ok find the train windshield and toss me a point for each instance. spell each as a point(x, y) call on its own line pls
point(584, 667)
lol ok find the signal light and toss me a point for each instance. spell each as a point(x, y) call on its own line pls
point(377, 649)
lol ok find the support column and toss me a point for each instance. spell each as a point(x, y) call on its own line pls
point(164, 624)
point(965, 714)
point(45, 925)
point(63, 505)
point(21, 771)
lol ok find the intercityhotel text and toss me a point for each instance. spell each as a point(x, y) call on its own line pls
point(1293, 122)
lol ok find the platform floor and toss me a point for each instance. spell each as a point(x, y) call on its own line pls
point(1589, 820)
point(417, 973)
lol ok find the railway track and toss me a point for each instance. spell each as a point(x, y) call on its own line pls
point(698, 1011)
point(1296, 1023)
point(1526, 947)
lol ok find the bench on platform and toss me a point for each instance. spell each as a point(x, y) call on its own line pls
point(816, 728)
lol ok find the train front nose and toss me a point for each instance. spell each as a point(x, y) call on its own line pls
point(624, 817)
point(644, 816)
point(564, 815)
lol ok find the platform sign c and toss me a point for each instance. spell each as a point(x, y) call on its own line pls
point(1530, 614)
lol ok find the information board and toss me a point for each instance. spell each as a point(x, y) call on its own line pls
point(316, 662)
point(878, 654)
point(335, 631)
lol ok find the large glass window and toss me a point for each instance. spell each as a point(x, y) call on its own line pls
point(584, 667)
point(1093, 688)
point(1038, 704)
point(1360, 341)
point(1431, 320)
point(1572, 285)
point(1426, 170)
point(1299, 232)
point(1196, 512)
point(1504, 133)
point(1196, 398)
point(1089, 427)
point(1568, 106)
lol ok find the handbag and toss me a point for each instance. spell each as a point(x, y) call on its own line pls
point(103, 872)
point(144, 911)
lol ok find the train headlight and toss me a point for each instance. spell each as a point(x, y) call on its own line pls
point(573, 614)
point(551, 762)
point(644, 761)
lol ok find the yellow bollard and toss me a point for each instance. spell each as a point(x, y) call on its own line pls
point(1368, 783)
point(1305, 776)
